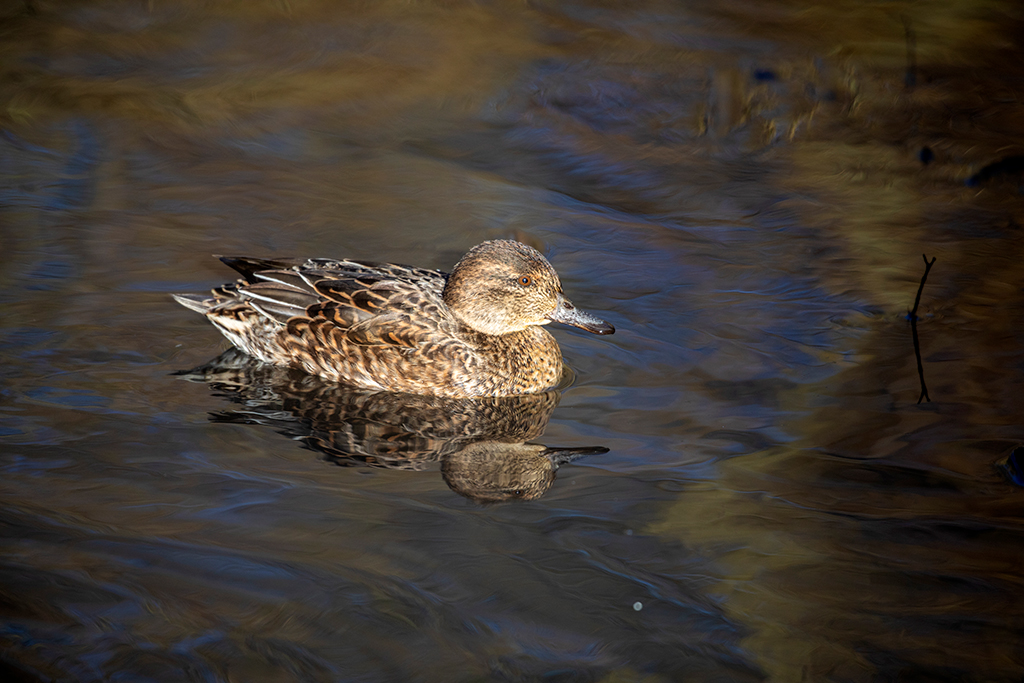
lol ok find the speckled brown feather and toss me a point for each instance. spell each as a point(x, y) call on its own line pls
point(399, 328)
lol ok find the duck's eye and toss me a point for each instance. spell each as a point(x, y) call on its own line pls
point(525, 280)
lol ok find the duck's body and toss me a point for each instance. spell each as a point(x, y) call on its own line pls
point(384, 326)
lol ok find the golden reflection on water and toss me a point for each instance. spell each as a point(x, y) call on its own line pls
point(746, 188)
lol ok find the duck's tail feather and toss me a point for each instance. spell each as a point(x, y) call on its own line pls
point(249, 266)
point(199, 303)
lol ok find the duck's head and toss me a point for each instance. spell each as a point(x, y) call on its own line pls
point(504, 286)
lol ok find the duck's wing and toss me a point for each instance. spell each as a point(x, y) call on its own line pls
point(369, 303)
point(258, 270)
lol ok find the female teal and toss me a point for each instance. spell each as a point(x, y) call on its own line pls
point(476, 332)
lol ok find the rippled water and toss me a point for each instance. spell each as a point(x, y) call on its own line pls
point(745, 190)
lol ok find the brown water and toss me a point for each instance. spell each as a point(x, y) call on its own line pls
point(744, 189)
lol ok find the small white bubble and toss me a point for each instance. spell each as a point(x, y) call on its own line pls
point(638, 605)
point(629, 532)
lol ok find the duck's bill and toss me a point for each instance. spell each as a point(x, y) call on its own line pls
point(568, 314)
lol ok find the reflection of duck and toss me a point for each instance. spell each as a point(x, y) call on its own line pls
point(388, 327)
point(491, 471)
point(479, 442)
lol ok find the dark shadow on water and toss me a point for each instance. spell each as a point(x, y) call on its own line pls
point(1012, 466)
point(481, 444)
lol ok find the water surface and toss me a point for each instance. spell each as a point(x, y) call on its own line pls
point(745, 190)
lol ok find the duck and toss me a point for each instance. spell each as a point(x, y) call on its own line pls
point(476, 332)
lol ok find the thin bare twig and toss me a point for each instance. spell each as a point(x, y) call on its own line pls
point(913, 328)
